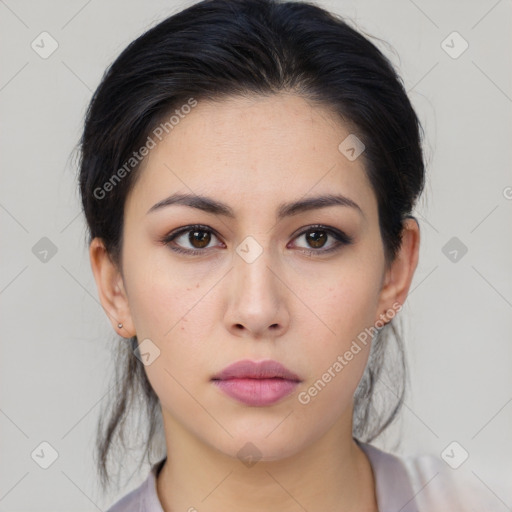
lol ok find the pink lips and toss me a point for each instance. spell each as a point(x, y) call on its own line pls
point(256, 383)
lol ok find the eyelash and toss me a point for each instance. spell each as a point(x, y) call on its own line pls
point(342, 239)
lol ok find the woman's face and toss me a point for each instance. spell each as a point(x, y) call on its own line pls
point(264, 283)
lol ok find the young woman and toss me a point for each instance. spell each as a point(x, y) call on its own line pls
point(248, 173)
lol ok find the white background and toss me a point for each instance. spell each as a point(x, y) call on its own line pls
point(55, 357)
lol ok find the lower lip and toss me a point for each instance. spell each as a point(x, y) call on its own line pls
point(257, 391)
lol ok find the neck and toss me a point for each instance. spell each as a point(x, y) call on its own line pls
point(332, 474)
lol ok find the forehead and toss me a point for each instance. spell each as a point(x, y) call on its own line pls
point(262, 149)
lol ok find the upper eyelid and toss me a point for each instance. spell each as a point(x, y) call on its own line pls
point(186, 229)
point(198, 227)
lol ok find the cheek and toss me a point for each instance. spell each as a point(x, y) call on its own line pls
point(347, 307)
point(353, 309)
point(337, 359)
point(166, 308)
point(162, 300)
point(339, 355)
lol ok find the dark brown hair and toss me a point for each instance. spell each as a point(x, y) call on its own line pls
point(222, 48)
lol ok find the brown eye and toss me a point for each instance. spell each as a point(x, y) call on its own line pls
point(316, 239)
point(322, 240)
point(192, 240)
point(199, 239)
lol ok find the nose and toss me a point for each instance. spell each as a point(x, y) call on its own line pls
point(257, 306)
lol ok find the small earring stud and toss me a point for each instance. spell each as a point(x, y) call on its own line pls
point(119, 326)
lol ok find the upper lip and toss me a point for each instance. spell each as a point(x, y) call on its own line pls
point(248, 369)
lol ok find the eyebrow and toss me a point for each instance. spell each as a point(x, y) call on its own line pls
point(210, 205)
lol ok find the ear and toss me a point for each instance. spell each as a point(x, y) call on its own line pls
point(112, 294)
point(400, 272)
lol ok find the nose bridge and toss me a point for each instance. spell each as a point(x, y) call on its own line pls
point(256, 298)
point(253, 275)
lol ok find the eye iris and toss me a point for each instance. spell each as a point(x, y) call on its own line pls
point(203, 238)
point(316, 238)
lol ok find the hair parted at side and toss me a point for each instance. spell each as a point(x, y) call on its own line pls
point(224, 48)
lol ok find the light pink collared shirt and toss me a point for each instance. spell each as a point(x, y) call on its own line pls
point(411, 484)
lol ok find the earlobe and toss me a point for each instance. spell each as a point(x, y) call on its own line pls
point(111, 289)
point(401, 271)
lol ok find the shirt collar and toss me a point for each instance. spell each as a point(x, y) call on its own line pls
point(393, 488)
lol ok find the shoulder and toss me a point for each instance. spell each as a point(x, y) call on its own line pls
point(142, 499)
point(129, 503)
point(440, 485)
point(433, 485)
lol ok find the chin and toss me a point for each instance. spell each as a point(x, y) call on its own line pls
point(259, 446)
